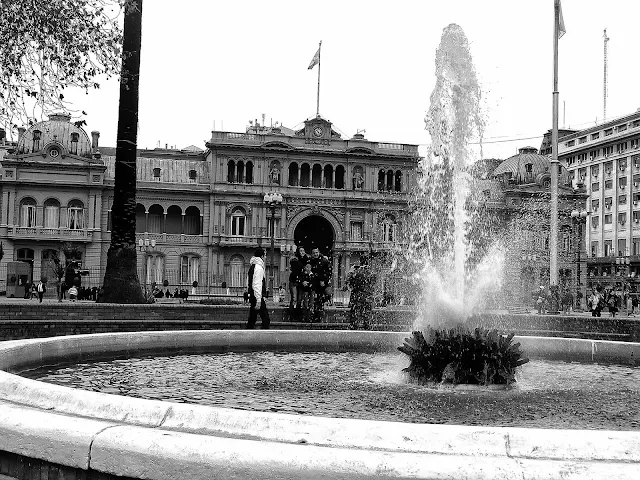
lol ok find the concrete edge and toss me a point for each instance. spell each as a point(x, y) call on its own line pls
point(209, 424)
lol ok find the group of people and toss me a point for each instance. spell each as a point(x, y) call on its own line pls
point(157, 292)
point(37, 290)
point(309, 283)
point(34, 290)
point(602, 298)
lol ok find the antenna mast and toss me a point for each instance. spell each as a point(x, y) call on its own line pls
point(606, 39)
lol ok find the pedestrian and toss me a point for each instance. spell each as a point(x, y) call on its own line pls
point(634, 301)
point(73, 293)
point(257, 291)
point(295, 269)
point(245, 296)
point(629, 306)
point(612, 303)
point(41, 289)
point(320, 269)
point(303, 259)
point(27, 290)
point(540, 300)
point(305, 287)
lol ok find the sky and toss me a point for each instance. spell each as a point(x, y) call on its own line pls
point(230, 62)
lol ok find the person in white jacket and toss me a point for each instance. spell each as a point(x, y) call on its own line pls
point(257, 291)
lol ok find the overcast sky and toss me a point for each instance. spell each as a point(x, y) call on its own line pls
point(232, 61)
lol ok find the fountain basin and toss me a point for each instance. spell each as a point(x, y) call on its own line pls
point(137, 438)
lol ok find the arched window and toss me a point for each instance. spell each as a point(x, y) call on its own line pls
point(327, 179)
point(398, 184)
point(155, 219)
point(305, 175)
point(240, 170)
point(75, 215)
point(249, 173)
point(192, 221)
point(381, 181)
point(51, 213)
point(48, 264)
point(37, 136)
point(316, 176)
point(389, 180)
point(193, 176)
point(155, 268)
point(237, 271)
point(389, 229)
point(141, 218)
point(28, 212)
point(358, 178)
point(238, 219)
point(339, 177)
point(174, 219)
point(231, 171)
point(156, 174)
point(293, 174)
point(189, 269)
point(75, 137)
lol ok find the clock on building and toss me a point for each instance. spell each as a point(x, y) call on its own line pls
point(318, 131)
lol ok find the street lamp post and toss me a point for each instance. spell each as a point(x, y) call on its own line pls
point(272, 200)
point(578, 218)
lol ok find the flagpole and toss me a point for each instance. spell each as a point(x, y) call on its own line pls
point(318, 102)
point(553, 240)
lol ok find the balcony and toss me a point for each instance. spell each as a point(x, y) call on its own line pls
point(171, 238)
point(41, 233)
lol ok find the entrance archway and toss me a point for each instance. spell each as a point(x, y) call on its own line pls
point(315, 231)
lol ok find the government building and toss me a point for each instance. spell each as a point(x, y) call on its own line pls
point(605, 159)
point(201, 213)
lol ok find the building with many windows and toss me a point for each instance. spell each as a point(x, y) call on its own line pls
point(201, 213)
point(606, 160)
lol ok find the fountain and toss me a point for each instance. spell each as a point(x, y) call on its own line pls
point(73, 430)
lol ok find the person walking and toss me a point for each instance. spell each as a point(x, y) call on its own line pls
point(41, 290)
point(257, 291)
point(305, 285)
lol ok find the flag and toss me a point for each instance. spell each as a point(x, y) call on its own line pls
point(315, 60)
point(561, 28)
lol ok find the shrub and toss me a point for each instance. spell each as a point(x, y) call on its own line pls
point(458, 355)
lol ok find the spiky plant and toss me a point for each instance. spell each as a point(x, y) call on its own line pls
point(458, 355)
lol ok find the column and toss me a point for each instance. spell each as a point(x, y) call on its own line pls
point(299, 173)
point(182, 224)
point(333, 178)
point(11, 220)
point(5, 208)
point(212, 212)
point(146, 220)
point(92, 212)
point(335, 270)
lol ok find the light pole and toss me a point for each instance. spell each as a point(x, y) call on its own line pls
point(578, 218)
point(272, 200)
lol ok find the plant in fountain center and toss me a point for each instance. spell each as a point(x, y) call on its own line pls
point(462, 356)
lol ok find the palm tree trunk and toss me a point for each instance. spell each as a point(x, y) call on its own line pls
point(121, 284)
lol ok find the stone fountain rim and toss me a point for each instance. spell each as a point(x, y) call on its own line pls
point(98, 425)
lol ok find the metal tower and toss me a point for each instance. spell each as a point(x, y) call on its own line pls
point(606, 39)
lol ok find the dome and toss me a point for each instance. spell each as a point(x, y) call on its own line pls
point(58, 129)
point(528, 166)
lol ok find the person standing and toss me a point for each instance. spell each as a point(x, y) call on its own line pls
point(320, 269)
point(41, 290)
point(257, 291)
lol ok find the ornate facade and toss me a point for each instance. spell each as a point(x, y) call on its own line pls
point(201, 213)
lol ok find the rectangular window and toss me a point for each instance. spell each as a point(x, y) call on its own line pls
point(622, 199)
point(622, 247)
point(593, 154)
point(621, 128)
point(356, 231)
point(636, 217)
point(389, 231)
point(570, 143)
point(595, 136)
point(51, 216)
point(607, 150)
point(155, 269)
point(636, 161)
point(622, 182)
point(622, 218)
point(608, 132)
point(621, 147)
point(595, 186)
point(622, 164)
point(636, 198)
point(595, 170)
point(594, 249)
point(636, 123)
point(636, 246)
point(608, 201)
point(595, 204)
point(595, 221)
point(582, 139)
point(634, 143)
point(608, 248)
point(582, 157)
point(608, 184)
point(237, 225)
point(608, 219)
point(75, 218)
point(189, 268)
point(608, 167)
point(28, 215)
point(582, 173)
